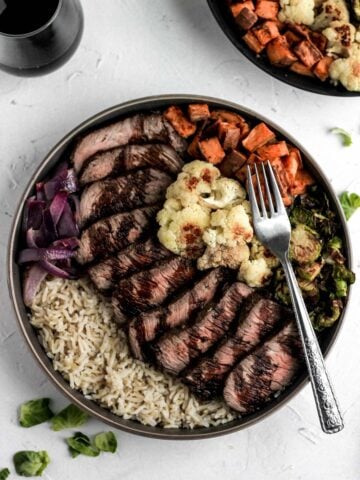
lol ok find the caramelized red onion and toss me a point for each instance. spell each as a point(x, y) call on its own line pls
point(50, 230)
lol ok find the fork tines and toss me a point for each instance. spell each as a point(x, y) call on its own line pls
point(266, 196)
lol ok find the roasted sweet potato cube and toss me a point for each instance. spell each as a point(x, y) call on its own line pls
point(299, 29)
point(273, 150)
point(292, 37)
point(252, 42)
point(198, 112)
point(193, 149)
point(258, 136)
point(181, 124)
point(279, 52)
point(246, 18)
point(308, 53)
point(292, 163)
point(229, 135)
point(233, 161)
point(301, 69)
point(237, 7)
point(321, 69)
point(267, 9)
point(228, 116)
point(241, 174)
point(266, 32)
point(212, 150)
point(319, 40)
point(302, 180)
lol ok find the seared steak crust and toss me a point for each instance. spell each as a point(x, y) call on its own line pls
point(150, 288)
point(132, 157)
point(136, 129)
point(106, 197)
point(268, 370)
point(105, 274)
point(255, 324)
point(114, 233)
point(175, 351)
point(149, 325)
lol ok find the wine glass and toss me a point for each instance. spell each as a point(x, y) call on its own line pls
point(38, 36)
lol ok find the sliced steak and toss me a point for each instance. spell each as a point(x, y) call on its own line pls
point(113, 233)
point(106, 197)
point(259, 320)
point(104, 164)
point(175, 351)
point(135, 129)
point(266, 371)
point(149, 325)
point(119, 160)
point(149, 288)
point(134, 258)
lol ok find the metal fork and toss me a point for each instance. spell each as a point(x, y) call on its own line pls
point(272, 228)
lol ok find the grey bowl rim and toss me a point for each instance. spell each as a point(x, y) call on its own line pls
point(93, 409)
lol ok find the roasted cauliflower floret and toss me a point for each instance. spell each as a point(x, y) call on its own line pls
point(225, 192)
point(259, 251)
point(254, 272)
point(197, 179)
point(223, 255)
point(331, 11)
point(340, 37)
point(181, 230)
point(297, 11)
point(347, 70)
point(226, 239)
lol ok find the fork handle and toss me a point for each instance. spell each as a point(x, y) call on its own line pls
point(327, 407)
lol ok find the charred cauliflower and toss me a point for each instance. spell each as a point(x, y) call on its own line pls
point(347, 70)
point(198, 190)
point(297, 11)
point(226, 239)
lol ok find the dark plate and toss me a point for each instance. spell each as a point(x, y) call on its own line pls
point(14, 273)
point(224, 18)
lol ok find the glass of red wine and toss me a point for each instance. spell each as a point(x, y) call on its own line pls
point(38, 36)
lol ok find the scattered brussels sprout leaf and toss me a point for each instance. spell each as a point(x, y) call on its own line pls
point(70, 417)
point(345, 136)
point(35, 412)
point(79, 444)
point(350, 202)
point(106, 442)
point(4, 473)
point(31, 464)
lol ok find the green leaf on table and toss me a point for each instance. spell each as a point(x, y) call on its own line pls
point(31, 464)
point(69, 417)
point(79, 444)
point(4, 473)
point(106, 442)
point(350, 202)
point(345, 136)
point(35, 412)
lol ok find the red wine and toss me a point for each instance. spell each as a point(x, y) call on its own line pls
point(24, 16)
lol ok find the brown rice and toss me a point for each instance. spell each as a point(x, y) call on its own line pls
point(79, 334)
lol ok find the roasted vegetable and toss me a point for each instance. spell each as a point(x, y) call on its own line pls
point(309, 272)
point(333, 253)
point(355, 5)
point(342, 278)
point(326, 316)
point(305, 244)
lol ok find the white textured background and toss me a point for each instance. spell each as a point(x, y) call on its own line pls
point(132, 49)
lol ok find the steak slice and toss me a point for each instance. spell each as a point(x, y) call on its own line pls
point(105, 275)
point(149, 325)
point(121, 194)
point(132, 157)
point(175, 350)
point(114, 233)
point(268, 370)
point(149, 288)
point(259, 320)
point(135, 129)
point(104, 164)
